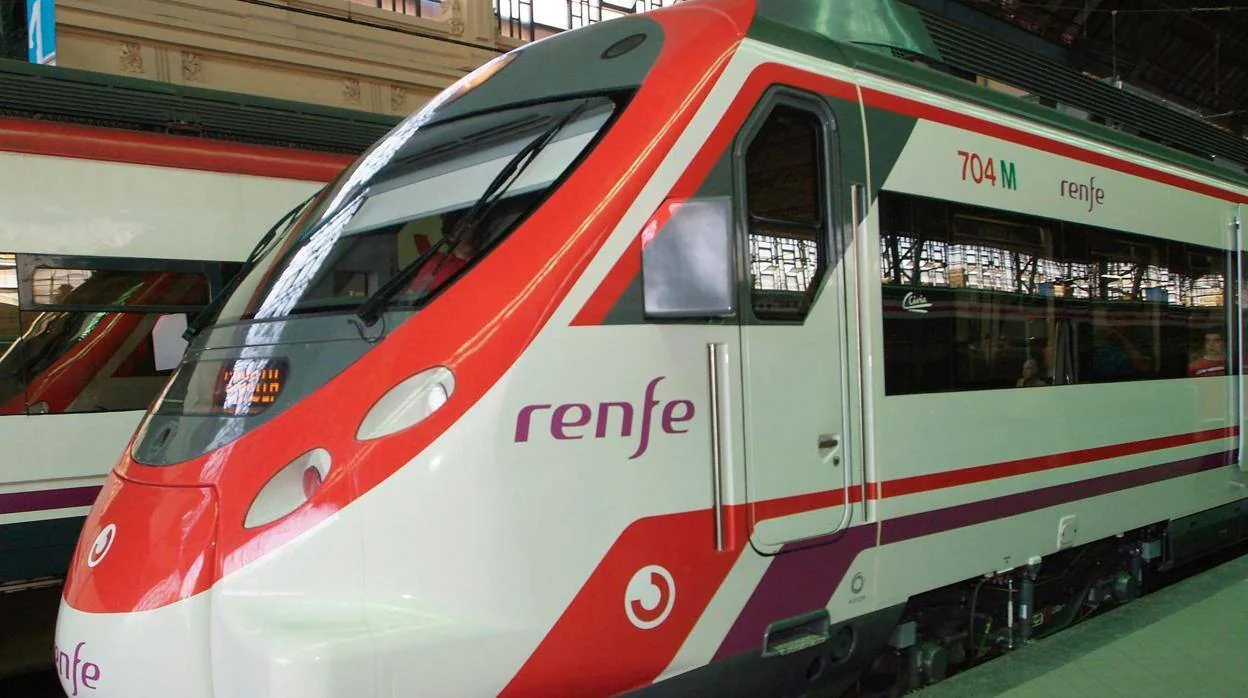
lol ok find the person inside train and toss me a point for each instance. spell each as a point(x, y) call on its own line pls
point(472, 241)
point(1213, 361)
point(1031, 376)
point(445, 264)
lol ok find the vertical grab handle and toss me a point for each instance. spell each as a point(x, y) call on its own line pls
point(1237, 244)
point(717, 482)
point(858, 203)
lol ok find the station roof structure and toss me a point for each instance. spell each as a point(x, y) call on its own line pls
point(1191, 54)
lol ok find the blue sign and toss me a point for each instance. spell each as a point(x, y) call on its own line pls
point(40, 32)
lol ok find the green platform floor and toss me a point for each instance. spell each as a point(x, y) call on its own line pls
point(1188, 640)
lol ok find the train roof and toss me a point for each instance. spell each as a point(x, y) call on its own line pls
point(912, 45)
point(85, 97)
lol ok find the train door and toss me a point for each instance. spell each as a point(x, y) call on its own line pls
point(793, 335)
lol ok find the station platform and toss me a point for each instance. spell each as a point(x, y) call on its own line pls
point(1186, 639)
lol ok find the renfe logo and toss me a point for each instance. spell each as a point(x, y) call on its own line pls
point(649, 597)
point(568, 419)
point(103, 543)
point(73, 671)
point(1094, 195)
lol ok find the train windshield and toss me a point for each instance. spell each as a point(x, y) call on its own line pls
point(422, 206)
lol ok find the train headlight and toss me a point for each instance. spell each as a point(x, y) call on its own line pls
point(408, 403)
point(289, 488)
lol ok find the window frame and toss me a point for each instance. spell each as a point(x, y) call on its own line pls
point(780, 95)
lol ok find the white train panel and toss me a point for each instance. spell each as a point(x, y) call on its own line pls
point(75, 206)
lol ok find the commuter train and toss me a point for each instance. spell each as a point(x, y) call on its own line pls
point(112, 238)
point(758, 354)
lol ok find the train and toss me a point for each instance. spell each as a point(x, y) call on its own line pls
point(770, 351)
point(125, 206)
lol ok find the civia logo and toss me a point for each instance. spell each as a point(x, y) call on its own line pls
point(649, 597)
point(103, 543)
point(571, 420)
point(74, 672)
point(915, 302)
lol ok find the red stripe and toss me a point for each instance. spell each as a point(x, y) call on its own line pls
point(1023, 466)
point(813, 501)
point(626, 268)
point(116, 145)
point(801, 503)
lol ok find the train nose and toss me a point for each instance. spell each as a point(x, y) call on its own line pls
point(147, 654)
point(135, 619)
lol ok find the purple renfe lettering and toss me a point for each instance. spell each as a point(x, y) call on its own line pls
point(647, 407)
point(626, 425)
point(567, 420)
point(62, 663)
point(558, 423)
point(670, 418)
point(69, 669)
point(522, 421)
point(90, 672)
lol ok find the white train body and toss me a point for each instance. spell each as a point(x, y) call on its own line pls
point(554, 475)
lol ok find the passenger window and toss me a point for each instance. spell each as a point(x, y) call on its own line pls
point(96, 334)
point(117, 287)
point(787, 219)
point(978, 299)
point(95, 361)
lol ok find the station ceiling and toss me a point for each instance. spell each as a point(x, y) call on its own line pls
point(1193, 54)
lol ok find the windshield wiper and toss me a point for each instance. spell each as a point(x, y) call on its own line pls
point(218, 300)
point(369, 310)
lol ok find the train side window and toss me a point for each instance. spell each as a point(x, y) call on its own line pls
point(101, 334)
point(976, 298)
point(55, 286)
point(786, 215)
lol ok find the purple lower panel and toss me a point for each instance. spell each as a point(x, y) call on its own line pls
point(802, 578)
point(16, 502)
point(796, 582)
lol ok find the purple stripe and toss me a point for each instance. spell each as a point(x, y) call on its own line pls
point(802, 578)
point(796, 582)
point(928, 522)
point(15, 502)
